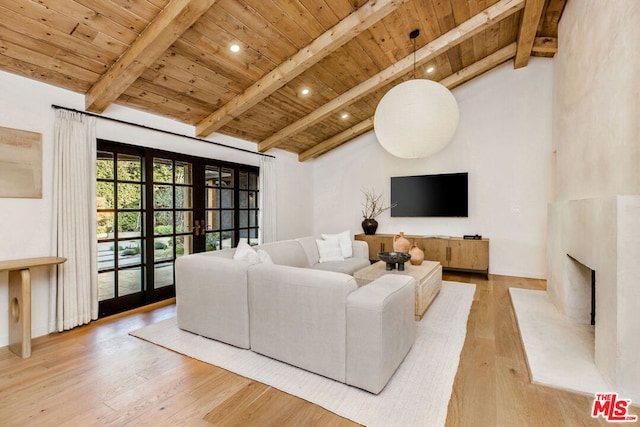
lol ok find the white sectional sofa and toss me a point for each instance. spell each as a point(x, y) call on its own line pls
point(293, 308)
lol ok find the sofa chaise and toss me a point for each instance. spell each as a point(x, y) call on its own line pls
point(291, 307)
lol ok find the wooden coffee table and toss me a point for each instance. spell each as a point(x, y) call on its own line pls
point(428, 280)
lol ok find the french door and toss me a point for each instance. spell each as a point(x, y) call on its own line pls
point(155, 206)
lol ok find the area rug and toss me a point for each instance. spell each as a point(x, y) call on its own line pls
point(417, 395)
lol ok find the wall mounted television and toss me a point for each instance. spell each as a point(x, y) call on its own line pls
point(442, 195)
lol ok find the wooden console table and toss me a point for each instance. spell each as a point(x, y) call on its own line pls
point(20, 300)
point(454, 253)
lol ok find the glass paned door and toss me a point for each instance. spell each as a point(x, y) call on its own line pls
point(219, 208)
point(248, 206)
point(155, 206)
point(120, 222)
point(172, 194)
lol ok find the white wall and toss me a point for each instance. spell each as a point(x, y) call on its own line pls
point(596, 127)
point(25, 224)
point(596, 217)
point(503, 141)
point(295, 197)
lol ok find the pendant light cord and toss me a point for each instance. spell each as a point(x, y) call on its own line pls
point(413, 35)
point(414, 58)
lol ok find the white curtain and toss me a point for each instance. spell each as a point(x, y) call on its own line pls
point(73, 296)
point(268, 193)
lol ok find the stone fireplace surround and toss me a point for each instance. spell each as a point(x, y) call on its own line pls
point(603, 234)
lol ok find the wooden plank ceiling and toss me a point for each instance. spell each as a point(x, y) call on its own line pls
point(172, 57)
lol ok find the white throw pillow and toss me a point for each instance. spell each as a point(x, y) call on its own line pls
point(264, 256)
point(329, 250)
point(244, 252)
point(346, 246)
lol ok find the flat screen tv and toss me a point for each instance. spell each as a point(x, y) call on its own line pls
point(443, 195)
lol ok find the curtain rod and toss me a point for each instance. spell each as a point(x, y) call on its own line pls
point(58, 107)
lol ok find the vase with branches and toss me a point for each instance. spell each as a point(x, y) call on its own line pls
point(372, 207)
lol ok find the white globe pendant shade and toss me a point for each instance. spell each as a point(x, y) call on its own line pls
point(416, 119)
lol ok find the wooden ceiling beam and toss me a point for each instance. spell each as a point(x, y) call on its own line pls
point(527, 33)
point(545, 45)
point(337, 140)
point(305, 58)
point(480, 67)
point(450, 82)
point(159, 35)
point(464, 31)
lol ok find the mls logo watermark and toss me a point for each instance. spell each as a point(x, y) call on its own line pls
point(611, 408)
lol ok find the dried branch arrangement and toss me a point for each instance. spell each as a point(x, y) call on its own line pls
point(373, 204)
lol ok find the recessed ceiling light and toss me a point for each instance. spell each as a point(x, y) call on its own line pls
point(305, 91)
point(344, 116)
point(234, 48)
point(430, 70)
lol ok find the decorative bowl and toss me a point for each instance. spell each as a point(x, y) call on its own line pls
point(393, 258)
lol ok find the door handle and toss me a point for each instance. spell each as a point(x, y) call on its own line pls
point(196, 228)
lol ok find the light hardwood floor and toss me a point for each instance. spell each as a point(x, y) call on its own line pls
point(99, 375)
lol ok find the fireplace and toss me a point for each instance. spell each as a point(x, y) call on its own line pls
point(600, 236)
point(581, 281)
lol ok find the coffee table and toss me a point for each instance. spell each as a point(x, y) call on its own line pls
point(428, 280)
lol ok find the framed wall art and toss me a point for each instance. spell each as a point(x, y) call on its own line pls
point(20, 163)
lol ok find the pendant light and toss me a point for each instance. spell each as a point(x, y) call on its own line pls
point(416, 118)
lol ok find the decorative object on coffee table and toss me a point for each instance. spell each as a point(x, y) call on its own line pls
point(401, 243)
point(393, 258)
point(372, 207)
point(417, 255)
